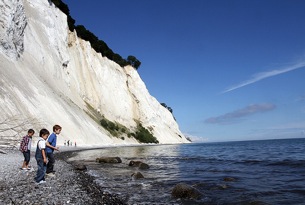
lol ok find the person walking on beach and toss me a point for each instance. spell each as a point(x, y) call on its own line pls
point(25, 148)
point(41, 157)
point(50, 147)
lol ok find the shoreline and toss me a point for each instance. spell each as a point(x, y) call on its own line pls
point(69, 186)
point(65, 148)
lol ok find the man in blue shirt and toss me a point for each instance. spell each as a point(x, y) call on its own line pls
point(50, 147)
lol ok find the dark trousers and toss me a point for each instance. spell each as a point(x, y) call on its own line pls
point(27, 156)
point(41, 170)
point(51, 162)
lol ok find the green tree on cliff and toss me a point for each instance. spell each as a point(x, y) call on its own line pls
point(133, 61)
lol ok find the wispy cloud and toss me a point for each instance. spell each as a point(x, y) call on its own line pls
point(263, 75)
point(237, 115)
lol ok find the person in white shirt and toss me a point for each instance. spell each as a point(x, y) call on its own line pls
point(41, 156)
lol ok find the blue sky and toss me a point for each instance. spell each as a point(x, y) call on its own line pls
point(229, 69)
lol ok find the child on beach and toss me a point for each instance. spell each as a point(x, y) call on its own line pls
point(51, 146)
point(40, 156)
point(25, 148)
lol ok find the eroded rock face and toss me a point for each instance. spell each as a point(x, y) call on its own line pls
point(12, 24)
point(182, 190)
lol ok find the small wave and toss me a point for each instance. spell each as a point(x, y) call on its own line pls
point(252, 161)
point(296, 191)
point(290, 163)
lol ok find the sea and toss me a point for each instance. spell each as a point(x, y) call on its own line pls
point(262, 172)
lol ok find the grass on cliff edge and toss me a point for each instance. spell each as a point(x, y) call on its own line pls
point(141, 134)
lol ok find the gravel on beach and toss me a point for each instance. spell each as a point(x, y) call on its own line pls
point(68, 186)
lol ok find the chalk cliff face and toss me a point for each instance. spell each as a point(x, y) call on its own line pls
point(50, 76)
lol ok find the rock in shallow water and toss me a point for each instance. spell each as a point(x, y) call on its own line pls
point(137, 175)
point(109, 160)
point(139, 164)
point(182, 190)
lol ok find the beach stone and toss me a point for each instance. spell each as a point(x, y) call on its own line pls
point(109, 160)
point(139, 164)
point(137, 175)
point(185, 191)
point(80, 167)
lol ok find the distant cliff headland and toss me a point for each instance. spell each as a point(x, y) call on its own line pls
point(53, 72)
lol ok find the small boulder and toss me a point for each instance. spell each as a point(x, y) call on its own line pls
point(143, 166)
point(137, 175)
point(109, 160)
point(134, 163)
point(139, 164)
point(80, 167)
point(185, 191)
point(118, 159)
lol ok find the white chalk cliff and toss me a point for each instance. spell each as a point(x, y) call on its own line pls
point(49, 75)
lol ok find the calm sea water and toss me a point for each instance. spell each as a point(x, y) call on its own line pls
point(261, 172)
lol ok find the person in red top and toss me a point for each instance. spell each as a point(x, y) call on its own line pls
point(25, 148)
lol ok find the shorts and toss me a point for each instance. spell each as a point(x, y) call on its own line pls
point(27, 156)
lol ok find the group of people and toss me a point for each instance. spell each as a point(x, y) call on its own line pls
point(69, 143)
point(44, 152)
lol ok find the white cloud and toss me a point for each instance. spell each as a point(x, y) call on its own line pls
point(263, 75)
point(236, 115)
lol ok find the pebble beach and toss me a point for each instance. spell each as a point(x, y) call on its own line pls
point(68, 186)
